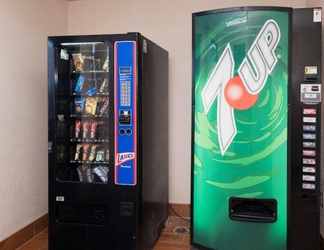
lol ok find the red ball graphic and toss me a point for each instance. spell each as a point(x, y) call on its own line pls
point(237, 96)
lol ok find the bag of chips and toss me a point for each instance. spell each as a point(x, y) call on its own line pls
point(78, 105)
point(90, 105)
point(78, 60)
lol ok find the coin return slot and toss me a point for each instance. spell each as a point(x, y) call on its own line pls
point(124, 117)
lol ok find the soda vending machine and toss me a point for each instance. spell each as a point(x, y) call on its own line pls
point(108, 142)
point(256, 129)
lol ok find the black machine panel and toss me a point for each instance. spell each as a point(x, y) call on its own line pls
point(108, 142)
point(305, 134)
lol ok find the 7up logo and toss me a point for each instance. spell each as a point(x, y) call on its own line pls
point(240, 92)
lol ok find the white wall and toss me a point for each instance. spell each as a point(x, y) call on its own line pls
point(167, 23)
point(24, 27)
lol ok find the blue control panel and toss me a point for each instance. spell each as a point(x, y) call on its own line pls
point(125, 70)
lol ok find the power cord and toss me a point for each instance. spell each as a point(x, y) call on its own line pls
point(178, 214)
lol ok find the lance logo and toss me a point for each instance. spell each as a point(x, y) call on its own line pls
point(123, 157)
point(240, 92)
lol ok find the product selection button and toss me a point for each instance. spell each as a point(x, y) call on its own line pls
point(309, 161)
point(309, 111)
point(309, 136)
point(309, 152)
point(308, 177)
point(308, 186)
point(309, 144)
point(309, 119)
point(309, 169)
point(309, 127)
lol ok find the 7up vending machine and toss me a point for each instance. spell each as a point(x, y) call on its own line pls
point(256, 129)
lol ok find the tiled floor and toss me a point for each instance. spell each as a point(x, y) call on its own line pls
point(168, 240)
point(39, 242)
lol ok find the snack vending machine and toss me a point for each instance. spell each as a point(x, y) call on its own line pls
point(256, 129)
point(108, 142)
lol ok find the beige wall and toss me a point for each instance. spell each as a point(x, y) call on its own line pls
point(24, 27)
point(168, 23)
point(314, 3)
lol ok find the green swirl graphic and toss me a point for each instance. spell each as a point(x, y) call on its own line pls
point(255, 163)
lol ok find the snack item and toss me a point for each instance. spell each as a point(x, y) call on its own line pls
point(85, 126)
point(102, 173)
point(78, 61)
point(100, 155)
point(78, 105)
point(79, 170)
point(85, 173)
point(85, 148)
point(93, 152)
point(107, 154)
point(104, 86)
point(79, 84)
point(90, 105)
point(77, 128)
point(104, 108)
point(77, 152)
point(93, 130)
point(91, 91)
point(105, 66)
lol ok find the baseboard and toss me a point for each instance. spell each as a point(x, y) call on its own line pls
point(182, 210)
point(25, 234)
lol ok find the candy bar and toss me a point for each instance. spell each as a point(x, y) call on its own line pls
point(77, 128)
point(79, 84)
